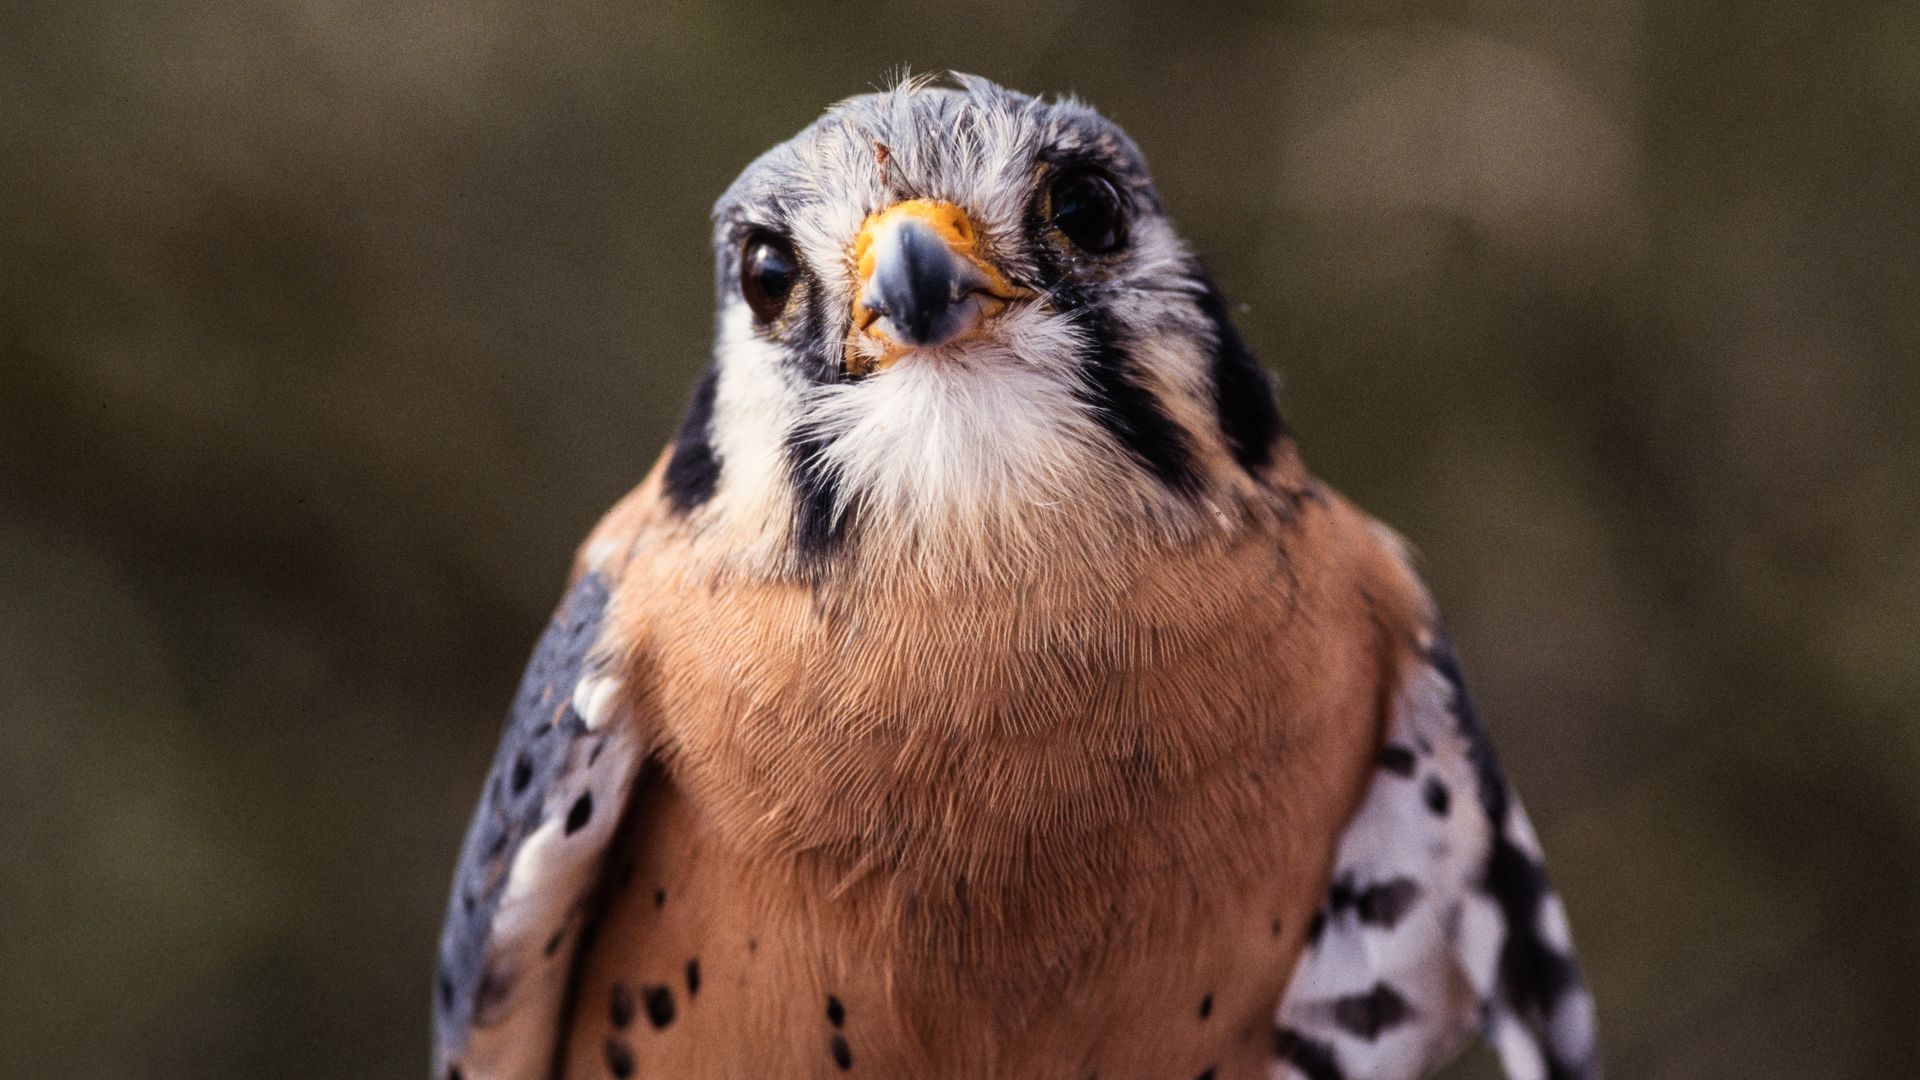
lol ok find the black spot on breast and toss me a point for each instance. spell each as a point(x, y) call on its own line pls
point(1206, 1006)
point(842, 1053)
point(659, 1004)
point(1368, 1015)
point(580, 813)
point(1396, 759)
point(454, 1073)
point(693, 472)
point(693, 976)
point(1315, 1060)
point(1275, 927)
point(1243, 394)
point(619, 1057)
point(1438, 799)
point(1208, 1075)
point(522, 773)
point(495, 984)
point(659, 898)
point(620, 1005)
point(836, 1012)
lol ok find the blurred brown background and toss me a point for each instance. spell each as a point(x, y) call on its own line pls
point(328, 328)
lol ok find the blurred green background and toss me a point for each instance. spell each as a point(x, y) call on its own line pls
point(327, 329)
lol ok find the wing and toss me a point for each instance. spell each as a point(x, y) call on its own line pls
point(1439, 919)
point(533, 854)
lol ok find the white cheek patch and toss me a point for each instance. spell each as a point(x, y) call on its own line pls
point(753, 409)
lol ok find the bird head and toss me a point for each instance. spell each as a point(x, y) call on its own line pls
point(954, 323)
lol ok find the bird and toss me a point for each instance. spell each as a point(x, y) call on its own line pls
point(980, 685)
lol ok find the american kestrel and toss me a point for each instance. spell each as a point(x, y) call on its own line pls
point(981, 686)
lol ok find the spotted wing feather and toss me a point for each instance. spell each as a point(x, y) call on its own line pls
point(1439, 920)
point(533, 854)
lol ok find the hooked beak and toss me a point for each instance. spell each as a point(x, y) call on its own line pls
point(921, 283)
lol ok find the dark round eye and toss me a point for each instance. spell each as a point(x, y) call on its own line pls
point(768, 271)
point(1086, 210)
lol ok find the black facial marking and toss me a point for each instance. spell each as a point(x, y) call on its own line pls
point(842, 1053)
point(1437, 797)
point(816, 348)
point(620, 1005)
point(1315, 1060)
point(1368, 1015)
point(1125, 407)
point(693, 472)
point(1130, 412)
point(836, 1012)
point(1243, 393)
point(1122, 405)
point(1206, 1006)
point(580, 813)
point(619, 1057)
point(820, 527)
point(659, 1005)
point(693, 977)
point(1396, 759)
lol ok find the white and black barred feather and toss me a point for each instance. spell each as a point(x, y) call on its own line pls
point(1440, 919)
point(533, 854)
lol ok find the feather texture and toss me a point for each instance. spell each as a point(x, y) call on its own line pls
point(533, 853)
point(1439, 919)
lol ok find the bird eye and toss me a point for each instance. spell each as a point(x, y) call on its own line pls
point(768, 271)
point(1086, 210)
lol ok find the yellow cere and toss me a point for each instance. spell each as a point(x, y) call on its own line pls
point(951, 224)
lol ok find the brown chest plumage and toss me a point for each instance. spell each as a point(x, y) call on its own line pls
point(1031, 829)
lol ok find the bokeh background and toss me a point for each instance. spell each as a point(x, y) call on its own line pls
point(327, 328)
